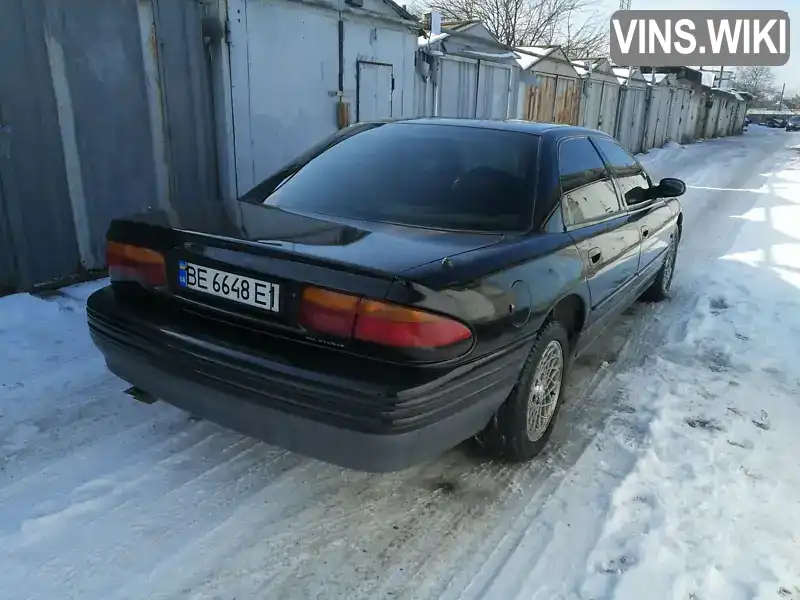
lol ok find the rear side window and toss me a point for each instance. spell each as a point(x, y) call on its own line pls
point(418, 174)
point(587, 191)
point(632, 179)
point(621, 162)
point(579, 164)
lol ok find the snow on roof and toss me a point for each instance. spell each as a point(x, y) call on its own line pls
point(431, 39)
point(598, 62)
point(708, 78)
point(580, 67)
point(655, 77)
point(622, 73)
point(505, 54)
point(526, 61)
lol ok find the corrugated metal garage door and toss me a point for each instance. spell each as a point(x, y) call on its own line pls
point(375, 87)
point(554, 100)
point(494, 87)
point(473, 89)
point(458, 85)
point(279, 110)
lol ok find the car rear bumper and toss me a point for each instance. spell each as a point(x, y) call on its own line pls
point(356, 424)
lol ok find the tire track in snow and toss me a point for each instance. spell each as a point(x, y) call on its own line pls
point(164, 434)
point(174, 506)
point(68, 427)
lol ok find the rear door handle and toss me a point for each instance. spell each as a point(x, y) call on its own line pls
point(645, 232)
point(594, 255)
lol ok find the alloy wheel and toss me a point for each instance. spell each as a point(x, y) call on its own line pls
point(545, 389)
point(669, 264)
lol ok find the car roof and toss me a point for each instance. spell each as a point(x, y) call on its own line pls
point(541, 129)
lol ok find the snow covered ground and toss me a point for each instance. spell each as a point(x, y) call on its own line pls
point(674, 471)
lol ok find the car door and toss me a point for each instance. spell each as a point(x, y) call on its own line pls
point(597, 223)
point(655, 219)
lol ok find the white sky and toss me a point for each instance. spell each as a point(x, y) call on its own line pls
point(788, 74)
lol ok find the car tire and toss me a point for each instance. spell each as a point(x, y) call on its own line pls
point(659, 289)
point(522, 426)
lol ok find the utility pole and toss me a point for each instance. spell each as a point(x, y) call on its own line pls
point(721, 72)
point(626, 5)
point(780, 102)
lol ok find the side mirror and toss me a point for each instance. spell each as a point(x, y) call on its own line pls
point(669, 187)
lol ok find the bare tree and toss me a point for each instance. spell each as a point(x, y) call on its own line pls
point(573, 24)
point(418, 8)
point(758, 81)
point(586, 39)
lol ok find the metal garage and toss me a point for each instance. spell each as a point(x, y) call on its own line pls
point(104, 111)
point(550, 86)
point(300, 70)
point(601, 91)
point(633, 108)
point(659, 109)
point(463, 71)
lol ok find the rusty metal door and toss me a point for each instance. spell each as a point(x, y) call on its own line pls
point(9, 276)
point(81, 144)
point(672, 115)
point(662, 96)
point(700, 121)
point(608, 108)
point(191, 146)
point(593, 103)
point(567, 101)
point(542, 99)
point(37, 232)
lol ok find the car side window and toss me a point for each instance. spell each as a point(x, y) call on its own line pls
point(587, 192)
point(630, 175)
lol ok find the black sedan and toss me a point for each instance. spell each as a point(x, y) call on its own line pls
point(793, 124)
point(400, 288)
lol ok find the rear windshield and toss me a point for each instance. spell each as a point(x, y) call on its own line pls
point(424, 175)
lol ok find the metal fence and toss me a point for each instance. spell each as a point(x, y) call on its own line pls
point(466, 88)
point(104, 111)
point(632, 122)
point(600, 104)
point(662, 113)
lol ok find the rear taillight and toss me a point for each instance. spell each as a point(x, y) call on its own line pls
point(134, 263)
point(328, 312)
point(384, 323)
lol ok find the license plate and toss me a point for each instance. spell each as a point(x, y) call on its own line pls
point(245, 290)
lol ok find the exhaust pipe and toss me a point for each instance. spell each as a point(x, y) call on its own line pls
point(140, 395)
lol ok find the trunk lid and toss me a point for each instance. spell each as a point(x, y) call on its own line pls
point(255, 271)
point(368, 246)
